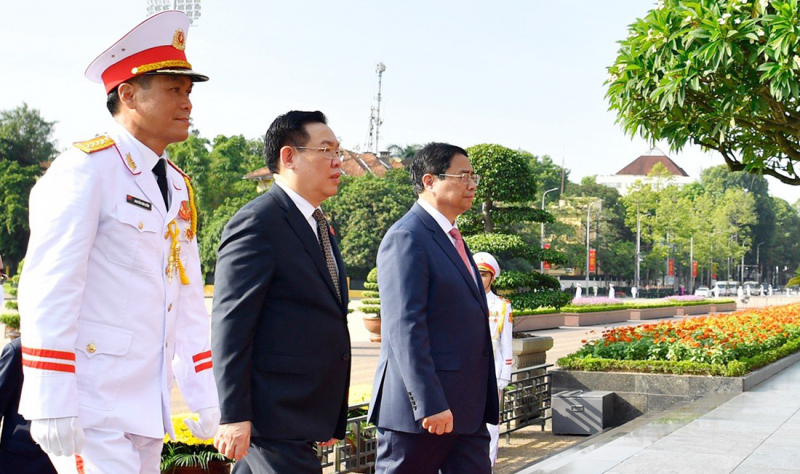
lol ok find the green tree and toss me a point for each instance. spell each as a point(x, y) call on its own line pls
point(26, 137)
point(503, 209)
point(720, 74)
point(217, 181)
point(16, 182)
point(362, 212)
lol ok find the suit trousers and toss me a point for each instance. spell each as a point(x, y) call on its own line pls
point(109, 451)
point(279, 456)
point(425, 453)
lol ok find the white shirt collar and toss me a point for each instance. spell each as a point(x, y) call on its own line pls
point(147, 157)
point(305, 207)
point(440, 219)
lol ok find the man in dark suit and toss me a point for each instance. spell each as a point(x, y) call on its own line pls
point(280, 345)
point(435, 387)
point(19, 454)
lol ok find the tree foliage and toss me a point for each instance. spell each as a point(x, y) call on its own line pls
point(26, 137)
point(722, 74)
point(362, 212)
point(505, 208)
point(16, 182)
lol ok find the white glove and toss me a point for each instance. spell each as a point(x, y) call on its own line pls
point(502, 384)
point(209, 422)
point(58, 436)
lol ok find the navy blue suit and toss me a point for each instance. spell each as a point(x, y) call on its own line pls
point(19, 454)
point(436, 352)
point(279, 338)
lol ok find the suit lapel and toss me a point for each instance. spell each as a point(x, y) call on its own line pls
point(450, 250)
point(305, 234)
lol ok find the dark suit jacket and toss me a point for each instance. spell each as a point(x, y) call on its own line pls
point(279, 340)
point(19, 454)
point(436, 352)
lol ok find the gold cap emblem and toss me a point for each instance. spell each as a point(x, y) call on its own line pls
point(179, 40)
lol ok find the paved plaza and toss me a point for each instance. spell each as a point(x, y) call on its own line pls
point(756, 432)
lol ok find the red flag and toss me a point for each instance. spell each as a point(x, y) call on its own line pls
point(671, 267)
point(694, 269)
point(546, 263)
point(592, 260)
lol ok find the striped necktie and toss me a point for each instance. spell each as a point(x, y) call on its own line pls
point(325, 243)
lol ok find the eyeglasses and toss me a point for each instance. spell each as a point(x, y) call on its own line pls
point(464, 177)
point(327, 151)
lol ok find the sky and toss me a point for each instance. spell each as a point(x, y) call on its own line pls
point(525, 74)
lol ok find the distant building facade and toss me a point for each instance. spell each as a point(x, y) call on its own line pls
point(639, 169)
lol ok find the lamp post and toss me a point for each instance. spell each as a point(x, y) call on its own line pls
point(588, 225)
point(541, 264)
point(758, 261)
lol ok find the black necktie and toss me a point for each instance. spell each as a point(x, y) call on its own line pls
point(325, 243)
point(160, 170)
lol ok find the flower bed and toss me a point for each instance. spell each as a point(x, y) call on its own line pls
point(186, 450)
point(728, 345)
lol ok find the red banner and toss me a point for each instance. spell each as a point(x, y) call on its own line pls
point(714, 271)
point(546, 263)
point(592, 260)
point(694, 269)
point(671, 267)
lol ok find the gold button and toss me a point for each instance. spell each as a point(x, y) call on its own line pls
point(169, 308)
point(141, 226)
point(90, 348)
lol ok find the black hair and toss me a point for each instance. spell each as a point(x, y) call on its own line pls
point(433, 158)
point(288, 129)
point(112, 101)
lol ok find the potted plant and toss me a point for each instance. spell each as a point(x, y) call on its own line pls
point(189, 455)
point(12, 325)
point(371, 306)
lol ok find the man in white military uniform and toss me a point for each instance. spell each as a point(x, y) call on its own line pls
point(500, 329)
point(111, 297)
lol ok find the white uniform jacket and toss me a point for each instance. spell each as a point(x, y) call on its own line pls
point(500, 329)
point(106, 333)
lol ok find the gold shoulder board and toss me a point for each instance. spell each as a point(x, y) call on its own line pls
point(95, 144)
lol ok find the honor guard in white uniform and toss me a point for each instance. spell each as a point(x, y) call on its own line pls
point(111, 296)
point(500, 328)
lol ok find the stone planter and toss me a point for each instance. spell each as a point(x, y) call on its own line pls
point(373, 325)
point(722, 307)
point(530, 322)
point(637, 394)
point(693, 310)
point(642, 314)
point(529, 349)
point(11, 333)
point(596, 317)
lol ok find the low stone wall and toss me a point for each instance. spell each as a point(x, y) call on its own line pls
point(637, 394)
point(653, 313)
point(693, 310)
point(529, 350)
point(596, 317)
point(722, 307)
point(530, 322)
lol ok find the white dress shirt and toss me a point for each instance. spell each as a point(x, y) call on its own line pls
point(305, 208)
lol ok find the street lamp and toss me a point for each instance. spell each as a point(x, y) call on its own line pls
point(541, 264)
point(588, 225)
point(758, 261)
